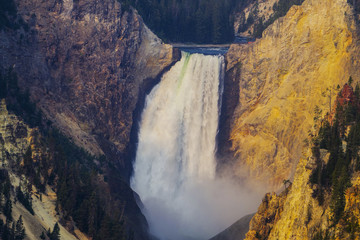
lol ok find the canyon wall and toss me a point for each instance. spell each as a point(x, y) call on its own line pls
point(84, 63)
point(245, 21)
point(87, 65)
point(280, 79)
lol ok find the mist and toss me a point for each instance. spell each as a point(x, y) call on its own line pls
point(202, 209)
point(175, 167)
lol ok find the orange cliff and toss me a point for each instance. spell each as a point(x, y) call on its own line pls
point(280, 79)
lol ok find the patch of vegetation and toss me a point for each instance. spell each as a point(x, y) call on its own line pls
point(73, 173)
point(51, 235)
point(17, 101)
point(356, 6)
point(8, 16)
point(10, 230)
point(14, 231)
point(25, 199)
point(341, 138)
point(7, 10)
point(280, 9)
point(198, 21)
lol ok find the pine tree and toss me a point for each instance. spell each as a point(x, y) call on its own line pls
point(55, 234)
point(92, 214)
point(3, 86)
point(8, 210)
point(28, 163)
point(12, 232)
point(19, 229)
point(42, 236)
point(6, 189)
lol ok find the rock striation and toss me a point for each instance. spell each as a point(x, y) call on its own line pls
point(268, 214)
point(252, 14)
point(15, 138)
point(280, 79)
point(87, 65)
point(84, 63)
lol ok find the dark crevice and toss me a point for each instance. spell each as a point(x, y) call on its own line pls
point(230, 100)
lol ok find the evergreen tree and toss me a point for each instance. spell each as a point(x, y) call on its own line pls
point(6, 234)
point(25, 200)
point(3, 86)
point(12, 231)
point(28, 163)
point(93, 214)
point(55, 234)
point(6, 189)
point(19, 229)
point(357, 91)
point(42, 236)
point(8, 210)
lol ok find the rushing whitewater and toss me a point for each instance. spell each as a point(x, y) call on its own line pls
point(174, 170)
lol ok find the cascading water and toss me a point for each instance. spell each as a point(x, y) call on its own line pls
point(174, 170)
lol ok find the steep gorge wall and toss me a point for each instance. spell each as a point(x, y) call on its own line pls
point(87, 65)
point(252, 14)
point(280, 80)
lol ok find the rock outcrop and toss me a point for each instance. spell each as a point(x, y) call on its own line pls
point(246, 21)
point(87, 65)
point(15, 138)
point(295, 214)
point(267, 216)
point(281, 78)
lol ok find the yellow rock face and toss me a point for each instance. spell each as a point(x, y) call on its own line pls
point(267, 216)
point(283, 76)
point(302, 215)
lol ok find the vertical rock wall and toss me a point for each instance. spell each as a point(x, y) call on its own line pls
point(280, 80)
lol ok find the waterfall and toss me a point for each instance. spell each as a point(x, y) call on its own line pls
point(174, 170)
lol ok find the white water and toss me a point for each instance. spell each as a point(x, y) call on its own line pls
point(174, 171)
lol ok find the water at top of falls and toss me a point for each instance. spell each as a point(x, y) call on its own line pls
point(205, 50)
point(174, 170)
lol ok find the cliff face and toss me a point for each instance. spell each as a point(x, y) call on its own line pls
point(304, 208)
point(245, 21)
point(85, 63)
point(296, 214)
point(87, 66)
point(14, 135)
point(280, 79)
point(15, 138)
point(300, 215)
point(267, 216)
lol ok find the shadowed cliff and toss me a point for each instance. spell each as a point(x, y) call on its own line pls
point(87, 65)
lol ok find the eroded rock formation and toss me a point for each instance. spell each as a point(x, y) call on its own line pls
point(87, 65)
point(280, 79)
point(84, 63)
